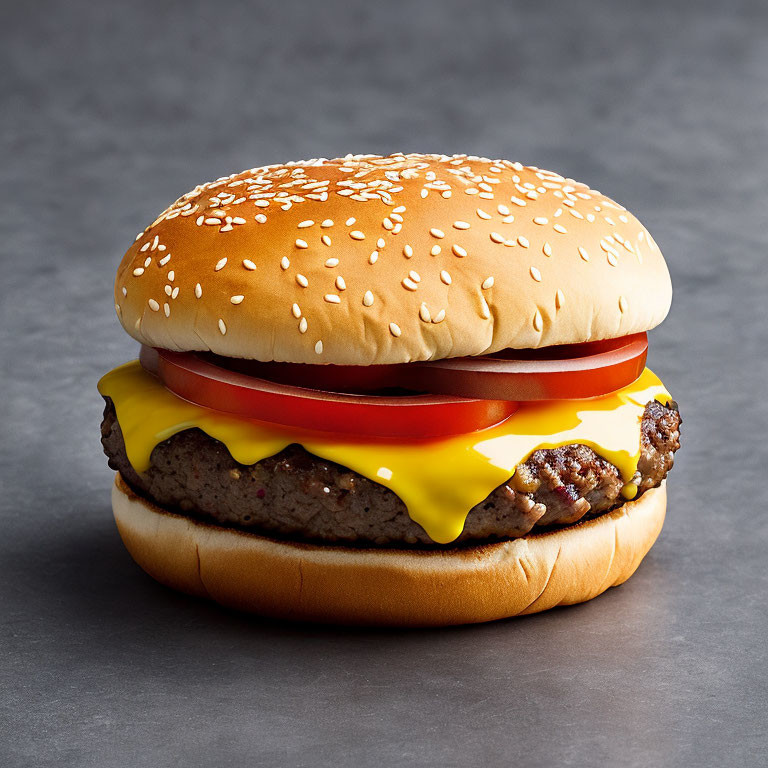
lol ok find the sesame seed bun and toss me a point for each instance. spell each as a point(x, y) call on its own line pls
point(366, 259)
point(389, 587)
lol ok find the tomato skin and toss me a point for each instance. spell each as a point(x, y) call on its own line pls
point(414, 417)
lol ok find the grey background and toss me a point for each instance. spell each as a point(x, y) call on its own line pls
point(109, 111)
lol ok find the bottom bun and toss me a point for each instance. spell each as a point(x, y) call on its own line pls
point(307, 582)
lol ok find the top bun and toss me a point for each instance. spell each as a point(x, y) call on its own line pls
point(368, 259)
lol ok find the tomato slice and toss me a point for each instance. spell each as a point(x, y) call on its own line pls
point(201, 381)
point(572, 371)
point(568, 371)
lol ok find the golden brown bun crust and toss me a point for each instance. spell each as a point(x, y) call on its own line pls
point(388, 260)
point(388, 587)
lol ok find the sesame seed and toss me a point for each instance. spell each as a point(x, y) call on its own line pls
point(153, 305)
point(171, 276)
point(439, 317)
point(238, 220)
point(517, 201)
point(356, 234)
point(125, 291)
point(220, 264)
point(144, 247)
point(296, 311)
point(306, 223)
point(302, 281)
point(436, 232)
point(435, 250)
point(488, 283)
point(541, 220)
point(198, 290)
point(547, 249)
point(407, 251)
point(461, 225)
point(164, 260)
point(222, 327)
point(560, 228)
point(147, 261)
point(424, 193)
point(332, 262)
point(424, 313)
point(261, 218)
point(523, 241)
point(394, 329)
point(612, 260)
point(535, 274)
point(367, 299)
point(538, 322)
point(503, 210)
point(325, 240)
point(332, 298)
point(446, 193)
point(175, 292)
point(167, 309)
point(285, 262)
point(388, 224)
point(301, 243)
point(482, 214)
point(497, 238)
point(248, 264)
point(199, 220)
point(458, 251)
point(622, 304)
point(350, 221)
point(326, 223)
point(237, 299)
point(212, 221)
point(373, 258)
point(303, 325)
point(261, 203)
point(319, 348)
point(583, 253)
point(559, 298)
point(340, 284)
point(445, 277)
point(409, 284)
point(138, 271)
point(485, 310)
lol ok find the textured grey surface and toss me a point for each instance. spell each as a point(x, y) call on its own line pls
point(110, 111)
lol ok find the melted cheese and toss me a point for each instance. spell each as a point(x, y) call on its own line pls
point(438, 480)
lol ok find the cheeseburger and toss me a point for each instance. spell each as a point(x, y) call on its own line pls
point(404, 390)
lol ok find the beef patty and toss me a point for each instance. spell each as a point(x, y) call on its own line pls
point(297, 495)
